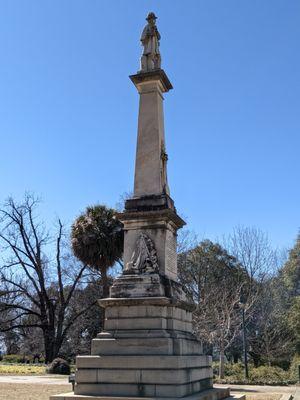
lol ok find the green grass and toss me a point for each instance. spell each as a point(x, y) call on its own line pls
point(22, 369)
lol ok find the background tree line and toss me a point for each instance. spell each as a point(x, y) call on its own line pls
point(50, 282)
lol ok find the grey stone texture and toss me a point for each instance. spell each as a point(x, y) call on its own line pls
point(147, 349)
point(150, 170)
point(151, 211)
point(210, 394)
point(161, 226)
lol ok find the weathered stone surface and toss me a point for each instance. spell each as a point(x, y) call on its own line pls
point(142, 311)
point(132, 346)
point(150, 59)
point(210, 394)
point(146, 346)
point(146, 301)
point(151, 211)
point(161, 227)
point(152, 362)
point(147, 317)
point(147, 323)
point(149, 203)
point(142, 390)
point(148, 167)
point(143, 376)
point(142, 334)
point(136, 286)
point(136, 323)
point(158, 75)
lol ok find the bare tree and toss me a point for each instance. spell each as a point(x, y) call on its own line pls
point(37, 289)
point(265, 331)
point(252, 248)
point(215, 281)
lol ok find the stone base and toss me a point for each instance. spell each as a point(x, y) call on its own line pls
point(142, 376)
point(211, 394)
point(147, 350)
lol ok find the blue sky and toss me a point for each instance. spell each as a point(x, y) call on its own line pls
point(68, 112)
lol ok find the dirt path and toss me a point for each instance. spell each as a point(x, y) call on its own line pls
point(35, 379)
point(11, 391)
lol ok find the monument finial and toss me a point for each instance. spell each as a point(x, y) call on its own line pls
point(150, 59)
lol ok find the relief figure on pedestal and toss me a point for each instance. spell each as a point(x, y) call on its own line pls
point(144, 257)
point(150, 37)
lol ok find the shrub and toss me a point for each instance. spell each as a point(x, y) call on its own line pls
point(235, 370)
point(15, 359)
point(266, 375)
point(263, 375)
point(59, 366)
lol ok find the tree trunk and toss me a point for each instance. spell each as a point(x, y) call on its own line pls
point(256, 359)
point(222, 363)
point(49, 344)
point(105, 284)
point(48, 352)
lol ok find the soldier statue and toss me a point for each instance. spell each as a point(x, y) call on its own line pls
point(150, 59)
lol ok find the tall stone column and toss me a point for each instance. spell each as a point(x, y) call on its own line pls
point(151, 210)
point(150, 165)
point(147, 347)
point(151, 213)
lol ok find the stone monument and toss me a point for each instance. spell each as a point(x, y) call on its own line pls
point(147, 348)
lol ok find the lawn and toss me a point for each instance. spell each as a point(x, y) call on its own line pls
point(11, 391)
point(22, 369)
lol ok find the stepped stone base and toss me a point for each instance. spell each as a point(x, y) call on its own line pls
point(146, 351)
point(210, 394)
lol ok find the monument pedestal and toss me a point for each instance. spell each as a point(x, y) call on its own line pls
point(147, 350)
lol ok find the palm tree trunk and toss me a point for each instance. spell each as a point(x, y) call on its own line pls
point(105, 285)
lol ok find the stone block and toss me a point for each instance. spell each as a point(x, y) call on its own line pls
point(185, 347)
point(136, 323)
point(142, 390)
point(87, 375)
point(176, 302)
point(139, 333)
point(176, 324)
point(143, 376)
point(136, 311)
point(135, 286)
point(210, 394)
point(132, 346)
point(142, 362)
point(148, 317)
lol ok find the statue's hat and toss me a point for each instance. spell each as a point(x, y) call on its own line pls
point(150, 16)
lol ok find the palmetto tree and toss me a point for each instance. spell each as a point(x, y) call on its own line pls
point(97, 240)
